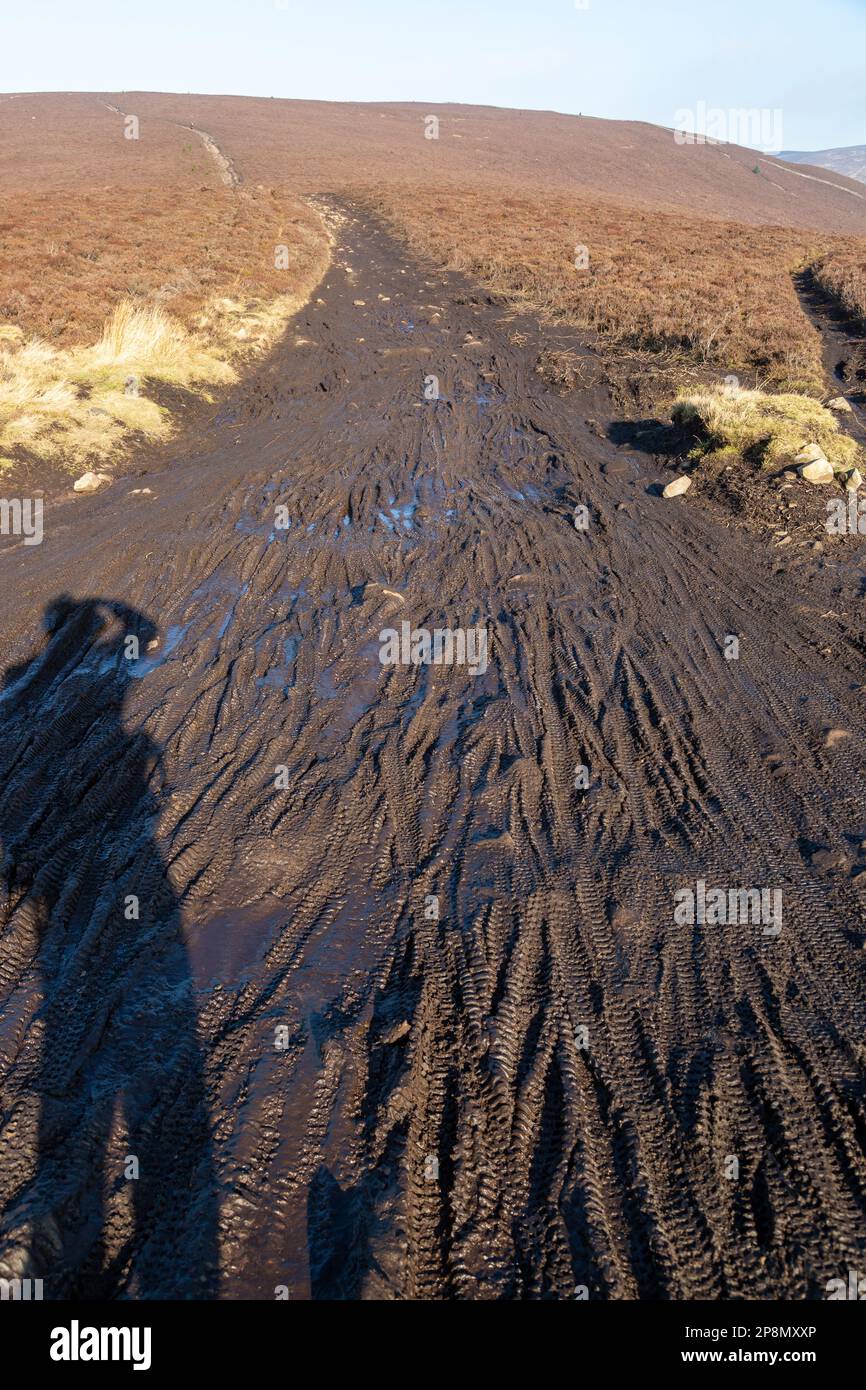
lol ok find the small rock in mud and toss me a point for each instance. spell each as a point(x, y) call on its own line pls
point(397, 1032)
point(839, 403)
point(818, 471)
point(677, 487)
point(833, 737)
point(810, 453)
point(90, 482)
point(854, 480)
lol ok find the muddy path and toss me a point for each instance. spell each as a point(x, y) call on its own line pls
point(844, 351)
point(384, 995)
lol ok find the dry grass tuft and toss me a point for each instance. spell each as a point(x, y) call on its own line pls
point(769, 429)
point(71, 406)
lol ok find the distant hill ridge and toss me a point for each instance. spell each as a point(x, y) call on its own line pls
point(847, 159)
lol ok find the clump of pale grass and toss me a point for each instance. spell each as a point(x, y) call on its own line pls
point(71, 406)
point(143, 340)
point(771, 429)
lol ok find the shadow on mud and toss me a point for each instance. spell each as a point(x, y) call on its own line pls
point(339, 1248)
point(119, 1197)
point(656, 437)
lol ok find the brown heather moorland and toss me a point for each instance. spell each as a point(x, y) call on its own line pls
point(718, 293)
point(691, 249)
point(166, 274)
point(842, 273)
point(318, 146)
point(67, 259)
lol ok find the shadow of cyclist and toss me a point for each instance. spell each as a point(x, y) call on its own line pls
point(120, 1197)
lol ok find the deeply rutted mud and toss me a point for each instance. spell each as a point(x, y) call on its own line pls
point(405, 1011)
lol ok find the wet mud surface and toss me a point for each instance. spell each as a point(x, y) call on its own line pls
point(844, 349)
point(384, 995)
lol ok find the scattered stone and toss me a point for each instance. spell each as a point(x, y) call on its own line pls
point(677, 487)
point(840, 403)
point(818, 471)
point(810, 453)
point(90, 482)
point(397, 1032)
point(854, 480)
point(790, 476)
point(359, 303)
point(141, 492)
point(832, 737)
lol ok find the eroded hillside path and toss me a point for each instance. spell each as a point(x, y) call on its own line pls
point(541, 1090)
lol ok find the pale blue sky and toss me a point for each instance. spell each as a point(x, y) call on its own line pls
point(635, 59)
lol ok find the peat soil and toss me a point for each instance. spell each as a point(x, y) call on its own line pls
point(844, 350)
point(361, 981)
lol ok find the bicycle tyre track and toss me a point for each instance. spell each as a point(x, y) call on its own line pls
point(539, 1091)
